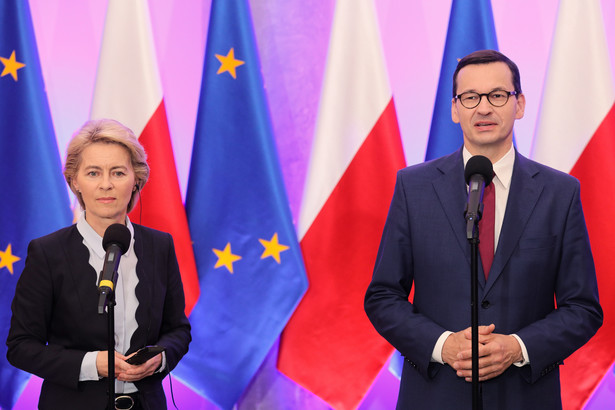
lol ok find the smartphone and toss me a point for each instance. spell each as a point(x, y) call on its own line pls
point(144, 354)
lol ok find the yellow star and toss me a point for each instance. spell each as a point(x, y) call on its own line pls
point(7, 259)
point(11, 66)
point(228, 63)
point(226, 258)
point(272, 248)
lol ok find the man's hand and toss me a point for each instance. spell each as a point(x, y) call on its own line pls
point(496, 353)
point(459, 342)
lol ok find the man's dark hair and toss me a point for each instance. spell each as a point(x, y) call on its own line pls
point(486, 57)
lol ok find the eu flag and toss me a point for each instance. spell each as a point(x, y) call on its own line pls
point(34, 196)
point(248, 259)
point(470, 28)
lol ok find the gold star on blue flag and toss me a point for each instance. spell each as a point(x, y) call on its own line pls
point(228, 63)
point(34, 197)
point(272, 248)
point(7, 259)
point(225, 257)
point(11, 66)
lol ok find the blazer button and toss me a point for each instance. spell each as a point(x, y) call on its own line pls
point(485, 304)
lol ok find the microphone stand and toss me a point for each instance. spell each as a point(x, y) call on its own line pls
point(472, 235)
point(108, 300)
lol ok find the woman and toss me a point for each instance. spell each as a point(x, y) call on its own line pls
point(56, 331)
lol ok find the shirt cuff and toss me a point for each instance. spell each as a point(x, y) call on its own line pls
point(436, 355)
point(526, 357)
point(163, 364)
point(88, 367)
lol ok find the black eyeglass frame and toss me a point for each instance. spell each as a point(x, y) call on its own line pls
point(480, 97)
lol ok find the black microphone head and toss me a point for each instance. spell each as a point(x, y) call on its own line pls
point(119, 235)
point(481, 165)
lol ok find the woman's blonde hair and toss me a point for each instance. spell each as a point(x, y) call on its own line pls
point(106, 131)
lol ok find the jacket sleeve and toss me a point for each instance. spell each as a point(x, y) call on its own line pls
point(386, 300)
point(28, 343)
point(578, 314)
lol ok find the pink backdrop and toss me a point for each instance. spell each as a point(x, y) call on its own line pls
point(293, 38)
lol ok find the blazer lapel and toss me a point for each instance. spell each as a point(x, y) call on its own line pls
point(144, 289)
point(78, 266)
point(522, 198)
point(451, 192)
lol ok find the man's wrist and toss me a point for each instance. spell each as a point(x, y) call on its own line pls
point(524, 358)
point(436, 355)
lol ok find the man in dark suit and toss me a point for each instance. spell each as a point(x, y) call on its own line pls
point(538, 302)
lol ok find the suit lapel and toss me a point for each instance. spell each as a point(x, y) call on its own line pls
point(451, 192)
point(522, 198)
point(83, 279)
point(144, 289)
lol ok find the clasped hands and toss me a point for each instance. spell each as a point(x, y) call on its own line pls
point(496, 352)
point(127, 372)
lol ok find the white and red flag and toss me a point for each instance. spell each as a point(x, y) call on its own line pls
point(329, 346)
point(576, 134)
point(128, 89)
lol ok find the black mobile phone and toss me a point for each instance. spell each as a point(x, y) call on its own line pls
point(144, 354)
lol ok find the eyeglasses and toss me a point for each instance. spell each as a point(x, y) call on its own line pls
point(497, 98)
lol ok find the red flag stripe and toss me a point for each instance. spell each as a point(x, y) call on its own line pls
point(159, 207)
point(595, 168)
point(329, 335)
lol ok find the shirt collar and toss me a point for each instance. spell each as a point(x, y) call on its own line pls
point(503, 168)
point(94, 241)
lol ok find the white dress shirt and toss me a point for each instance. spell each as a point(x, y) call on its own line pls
point(125, 298)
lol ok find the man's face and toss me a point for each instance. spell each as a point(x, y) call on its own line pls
point(487, 130)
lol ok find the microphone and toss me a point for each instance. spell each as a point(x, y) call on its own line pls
point(478, 174)
point(116, 242)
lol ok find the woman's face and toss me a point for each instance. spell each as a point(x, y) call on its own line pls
point(106, 182)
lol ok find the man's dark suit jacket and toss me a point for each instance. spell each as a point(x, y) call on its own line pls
point(55, 320)
point(543, 251)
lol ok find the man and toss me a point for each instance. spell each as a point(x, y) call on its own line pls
point(542, 260)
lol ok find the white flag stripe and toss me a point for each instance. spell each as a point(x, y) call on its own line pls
point(575, 99)
point(355, 93)
point(137, 90)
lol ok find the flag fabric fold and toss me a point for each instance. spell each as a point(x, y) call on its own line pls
point(128, 89)
point(34, 194)
point(575, 133)
point(329, 346)
point(470, 28)
point(247, 253)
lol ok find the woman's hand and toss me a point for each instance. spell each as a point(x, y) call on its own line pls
point(127, 372)
point(102, 363)
point(132, 373)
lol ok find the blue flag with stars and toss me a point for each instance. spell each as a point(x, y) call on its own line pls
point(34, 195)
point(248, 258)
point(470, 28)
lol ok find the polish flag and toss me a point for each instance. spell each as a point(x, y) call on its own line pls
point(128, 89)
point(576, 134)
point(329, 346)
